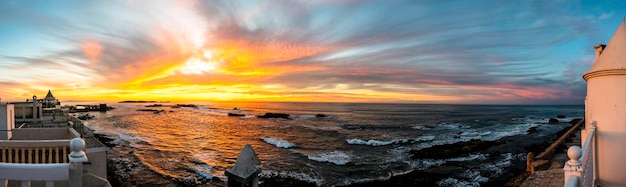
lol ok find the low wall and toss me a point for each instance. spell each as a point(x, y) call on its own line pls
point(43, 134)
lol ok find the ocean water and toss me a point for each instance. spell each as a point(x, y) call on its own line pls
point(354, 143)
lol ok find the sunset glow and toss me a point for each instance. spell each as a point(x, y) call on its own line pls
point(310, 51)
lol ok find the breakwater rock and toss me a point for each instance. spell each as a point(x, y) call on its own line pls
point(274, 115)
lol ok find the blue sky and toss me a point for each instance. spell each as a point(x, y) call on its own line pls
point(476, 52)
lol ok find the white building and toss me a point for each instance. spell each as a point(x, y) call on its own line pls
point(29, 111)
point(605, 108)
point(7, 121)
point(50, 101)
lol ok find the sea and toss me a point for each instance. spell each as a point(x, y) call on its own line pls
point(348, 143)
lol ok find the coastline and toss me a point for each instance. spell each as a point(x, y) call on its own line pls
point(121, 158)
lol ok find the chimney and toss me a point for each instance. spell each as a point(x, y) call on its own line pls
point(599, 49)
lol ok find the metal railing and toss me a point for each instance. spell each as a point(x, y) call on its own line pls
point(580, 169)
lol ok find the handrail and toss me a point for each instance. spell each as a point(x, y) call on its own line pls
point(548, 152)
point(580, 170)
point(34, 143)
point(27, 172)
point(588, 158)
point(36, 172)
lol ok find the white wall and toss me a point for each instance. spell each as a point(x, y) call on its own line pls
point(7, 121)
point(606, 104)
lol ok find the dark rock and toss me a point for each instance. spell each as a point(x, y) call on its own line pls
point(560, 116)
point(321, 115)
point(284, 181)
point(575, 121)
point(532, 130)
point(187, 105)
point(235, 114)
point(452, 150)
point(147, 110)
point(553, 121)
point(274, 115)
point(105, 140)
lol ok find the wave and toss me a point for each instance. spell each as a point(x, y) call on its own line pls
point(455, 182)
point(293, 175)
point(335, 157)
point(388, 142)
point(202, 170)
point(278, 142)
point(424, 127)
point(423, 164)
point(306, 116)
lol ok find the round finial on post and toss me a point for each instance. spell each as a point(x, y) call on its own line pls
point(574, 153)
point(76, 146)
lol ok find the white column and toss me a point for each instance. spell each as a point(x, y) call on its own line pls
point(77, 157)
point(573, 167)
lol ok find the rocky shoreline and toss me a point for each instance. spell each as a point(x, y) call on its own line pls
point(121, 161)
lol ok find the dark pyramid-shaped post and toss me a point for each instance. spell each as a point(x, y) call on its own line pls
point(246, 169)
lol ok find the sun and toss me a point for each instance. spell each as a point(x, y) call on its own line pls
point(199, 64)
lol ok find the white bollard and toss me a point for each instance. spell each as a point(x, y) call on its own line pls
point(77, 157)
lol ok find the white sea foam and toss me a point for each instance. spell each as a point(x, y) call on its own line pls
point(474, 176)
point(306, 116)
point(203, 170)
point(423, 127)
point(388, 142)
point(128, 138)
point(335, 157)
point(278, 142)
point(468, 158)
point(455, 182)
point(425, 163)
point(294, 175)
point(422, 164)
point(375, 142)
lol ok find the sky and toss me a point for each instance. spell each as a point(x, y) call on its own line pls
point(414, 51)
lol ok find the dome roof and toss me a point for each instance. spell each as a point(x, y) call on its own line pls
point(613, 57)
point(49, 95)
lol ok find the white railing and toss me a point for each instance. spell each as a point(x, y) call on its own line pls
point(580, 169)
point(34, 151)
point(25, 173)
point(34, 172)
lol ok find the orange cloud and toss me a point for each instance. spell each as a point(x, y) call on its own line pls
point(246, 57)
point(92, 50)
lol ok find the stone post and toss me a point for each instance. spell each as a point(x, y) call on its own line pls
point(573, 167)
point(246, 170)
point(77, 157)
point(530, 158)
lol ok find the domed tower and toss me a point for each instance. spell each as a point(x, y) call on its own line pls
point(605, 105)
point(50, 101)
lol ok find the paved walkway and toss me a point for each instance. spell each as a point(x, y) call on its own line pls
point(553, 176)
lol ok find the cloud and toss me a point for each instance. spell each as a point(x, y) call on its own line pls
point(605, 15)
point(92, 50)
point(453, 51)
